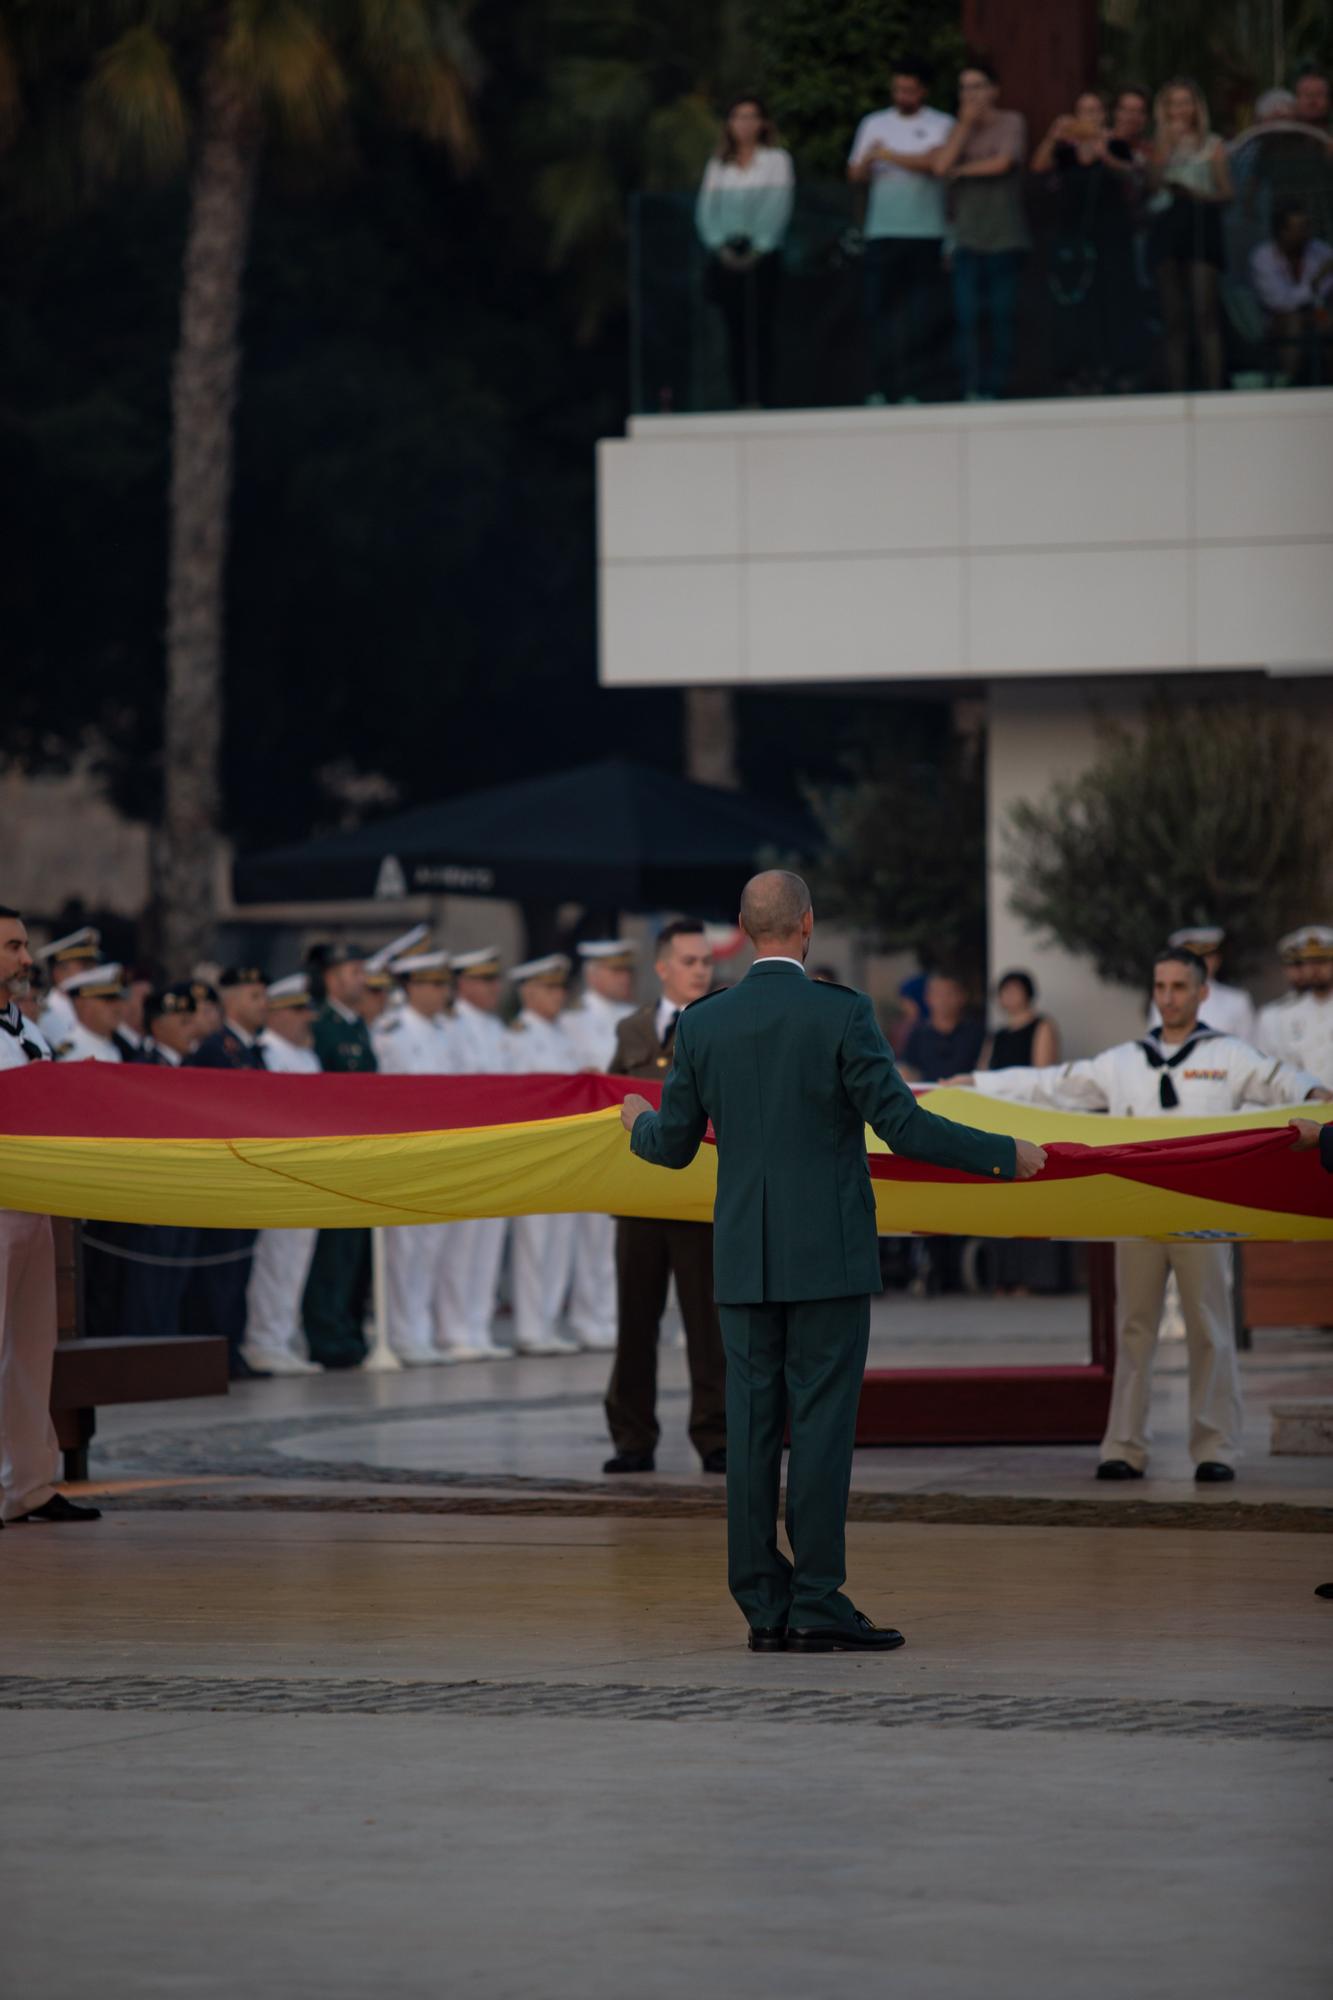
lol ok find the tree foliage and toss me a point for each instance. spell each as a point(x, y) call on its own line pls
point(825, 67)
point(1216, 813)
point(905, 861)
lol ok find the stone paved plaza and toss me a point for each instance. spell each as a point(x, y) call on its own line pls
point(369, 1684)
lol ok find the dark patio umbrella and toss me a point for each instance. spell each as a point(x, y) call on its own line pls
point(615, 834)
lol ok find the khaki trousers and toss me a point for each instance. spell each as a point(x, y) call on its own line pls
point(1203, 1276)
point(29, 1453)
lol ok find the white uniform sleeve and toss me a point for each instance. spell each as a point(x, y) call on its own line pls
point(1071, 1086)
point(1262, 1079)
point(773, 204)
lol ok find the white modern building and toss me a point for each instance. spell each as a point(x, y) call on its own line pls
point(1053, 558)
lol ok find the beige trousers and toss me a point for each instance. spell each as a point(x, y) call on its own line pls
point(1203, 1276)
point(29, 1454)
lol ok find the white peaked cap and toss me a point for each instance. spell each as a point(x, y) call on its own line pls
point(97, 982)
point(381, 960)
point(554, 969)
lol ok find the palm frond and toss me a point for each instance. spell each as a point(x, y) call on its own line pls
point(277, 51)
point(427, 68)
point(582, 200)
point(134, 111)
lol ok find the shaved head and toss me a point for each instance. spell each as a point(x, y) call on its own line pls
point(774, 907)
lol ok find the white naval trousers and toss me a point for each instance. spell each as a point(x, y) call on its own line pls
point(29, 1453)
point(413, 1283)
point(278, 1271)
point(542, 1250)
point(1203, 1275)
point(592, 1297)
point(470, 1275)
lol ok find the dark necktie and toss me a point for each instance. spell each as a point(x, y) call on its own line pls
point(669, 1026)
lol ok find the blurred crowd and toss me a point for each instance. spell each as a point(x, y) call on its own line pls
point(1122, 207)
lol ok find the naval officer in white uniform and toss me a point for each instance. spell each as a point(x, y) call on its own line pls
point(1181, 1067)
point(29, 1451)
point(96, 996)
point(60, 960)
point(411, 1039)
point(275, 1342)
point(542, 1246)
point(480, 1045)
point(1307, 1029)
point(608, 996)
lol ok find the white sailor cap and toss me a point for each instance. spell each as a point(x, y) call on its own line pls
point(484, 964)
point(618, 953)
point(99, 982)
point(553, 970)
point(380, 963)
point(83, 945)
point(293, 991)
point(1197, 937)
point(432, 965)
point(1310, 941)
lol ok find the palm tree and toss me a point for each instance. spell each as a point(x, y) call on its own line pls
point(206, 84)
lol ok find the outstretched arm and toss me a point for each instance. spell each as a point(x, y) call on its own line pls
point(672, 1136)
point(884, 1101)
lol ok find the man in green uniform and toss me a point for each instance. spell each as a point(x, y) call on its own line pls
point(791, 1071)
point(335, 1294)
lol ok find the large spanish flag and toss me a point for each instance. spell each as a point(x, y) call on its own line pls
point(239, 1150)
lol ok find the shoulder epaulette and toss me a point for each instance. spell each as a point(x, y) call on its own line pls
point(716, 992)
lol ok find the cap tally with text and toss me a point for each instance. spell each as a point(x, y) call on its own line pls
point(81, 947)
point(432, 966)
point(291, 991)
point(99, 982)
point(1197, 937)
point(1311, 941)
point(483, 964)
point(615, 953)
point(242, 975)
point(553, 970)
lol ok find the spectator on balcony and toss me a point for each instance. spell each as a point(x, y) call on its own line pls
point(983, 157)
point(1192, 184)
point(742, 213)
point(894, 151)
point(1311, 92)
point(1090, 263)
point(1293, 276)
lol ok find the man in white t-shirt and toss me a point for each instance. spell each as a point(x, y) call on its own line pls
point(905, 296)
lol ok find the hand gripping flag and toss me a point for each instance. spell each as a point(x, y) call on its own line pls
point(234, 1150)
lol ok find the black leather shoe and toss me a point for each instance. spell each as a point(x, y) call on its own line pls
point(767, 1639)
point(1323, 1590)
point(863, 1637)
point(629, 1461)
point(1213, 1473)
point(716, 1461)
point(1118, 1468)
point(241, 1370)
point(58, 1508)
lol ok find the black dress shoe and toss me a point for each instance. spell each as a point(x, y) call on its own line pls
point(767, 1639)
point(1118, 1468)
point(629, 1461)
point(1323, 1590)
point(1212, 1473)
point(241, 1370)
point(863, 1637)
point(58, 1508)
point(716, 1461)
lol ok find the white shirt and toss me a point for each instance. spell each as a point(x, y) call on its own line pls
point(541, 1048)
point(1281, 290)
point(666, 1017)
point(15, 1030)
point(1229, 1009)
point(411, 1044)
point(591, 1026)
point(1308, 1035)
point(162, 1053)
point(286, 1058)
point(84, 1046)
point(903, 203)
point(753, 202)
point(1270, 1024)
point(1219, 1075)
point(58, 1019)
point(480, 1041)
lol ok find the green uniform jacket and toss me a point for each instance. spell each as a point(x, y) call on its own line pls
point(791, 1071)
point(342, 1046)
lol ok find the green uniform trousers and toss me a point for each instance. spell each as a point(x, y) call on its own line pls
point(334, 1303)
point(801, 1360)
